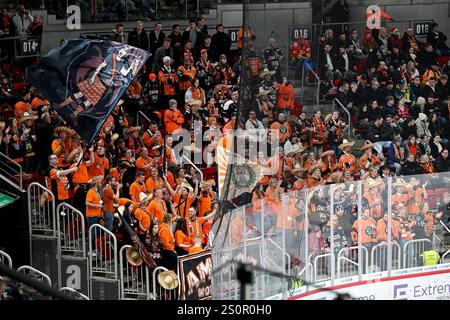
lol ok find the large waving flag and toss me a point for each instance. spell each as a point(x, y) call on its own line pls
point(85, 78)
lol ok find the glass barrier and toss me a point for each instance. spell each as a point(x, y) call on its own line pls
point(331, 232)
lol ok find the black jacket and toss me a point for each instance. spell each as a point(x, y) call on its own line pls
point(411, 168)
point(437, 39)
point(441, 164)
point(222, 42)
point(199, 40)
point(139, 40)
point(156, 43)
point(340, 63)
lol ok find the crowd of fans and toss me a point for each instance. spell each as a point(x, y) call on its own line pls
point(395, 88)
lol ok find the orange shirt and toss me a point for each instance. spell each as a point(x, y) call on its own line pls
point(282, 131)
point(37, 102)
point(94, 198)
point(81, 175)
point(173, 120)
point(195, 229)
point(115, 174)
point(141, 163)
point(61, 184)
point(123, 201)
point(149, 140)
point(182, 205)
point(181, 238)
point(153, 183)
point(166, 236)
point(98, 167)
point(157, 209)
point(204, 203)
point(349, 160)
point(192, 250)
point(136, 189)
point(108, 200)
point(375, 209)
point(144, 219)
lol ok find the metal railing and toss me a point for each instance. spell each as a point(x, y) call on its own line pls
point(73, 293)
point(322, 269)
point(413, 251)
point(71, 230)
point(35, 273)
point(379, 257)
point(41, 209)
point(134, 280)
point(142, 115)
point(102, 252)
point(159, 293)
point(347, 261)
point(349, 122)
point(11, 170)
point(5, 259)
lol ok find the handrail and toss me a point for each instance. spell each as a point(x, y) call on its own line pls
point(348, 114)
point(195, 167)
point(113, 236)
point(140, 113)
point(11, 161)
point(406, 247)
point(3, 254)
point(72, 292)
point(339, 264)
point(288, 271)
point(318, 82)
point(445, 227)
point(444, 255)
point(25, 268)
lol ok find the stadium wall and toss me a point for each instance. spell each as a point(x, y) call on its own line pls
point(402, 10)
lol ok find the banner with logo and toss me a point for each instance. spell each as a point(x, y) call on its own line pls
point(195, 271)
point(422, 283)
point(85, 78)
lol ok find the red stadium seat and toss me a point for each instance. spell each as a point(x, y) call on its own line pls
point(209, 173)
point(443, 61)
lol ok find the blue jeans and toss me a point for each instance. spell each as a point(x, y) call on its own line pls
point(109, 220)
point(91, 221)
point(397, 166)
point(299, 66)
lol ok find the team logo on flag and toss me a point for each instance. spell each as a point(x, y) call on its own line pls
point(85, 78)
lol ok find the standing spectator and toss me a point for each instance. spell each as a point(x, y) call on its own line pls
point(221, 41)
point(118, 34)
point(202, 26)
point(168, 80)
point(195, 36)
point(327, 62)
point(22, 20)
point(300, 52)
point(285, 96)
point(35, 27)
point(168, 253)
point(156, 38)
point(110, 197)
point(57, 180)
point(272, 58)
point(139, 37)
point(176, 41)
point(7, 27)
point(164, 51)
point(44, 134)
point(395, 39)
point(437, 39)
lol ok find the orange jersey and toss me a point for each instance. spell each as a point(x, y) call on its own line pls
point(81, 175)
point(108, 200)
point(167, 80)
point(157, 209)
point(285, 96)
point(166, 236)
point(141, 163)
point(181, 238)
point(173, 120)
point(348, 160)
point(62, 184)
point(144, 219)
point(154, 183)
point(135, 189)
point(182, 205)
point(185, 75)
point(195, 229)
point(93, 197)
point(99, 166)
point(368, 230)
